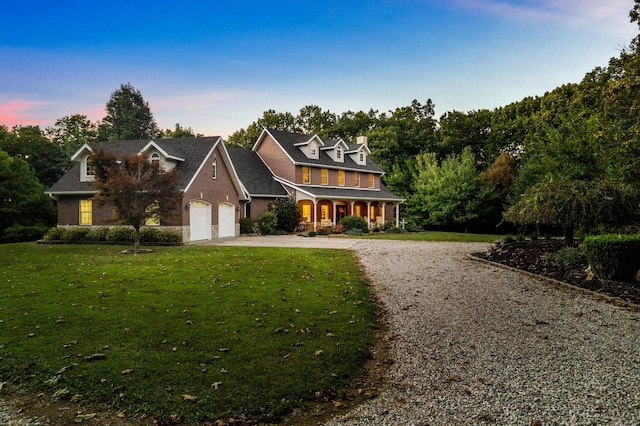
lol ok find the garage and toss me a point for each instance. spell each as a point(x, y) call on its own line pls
point(226, 220)
point(200, 220)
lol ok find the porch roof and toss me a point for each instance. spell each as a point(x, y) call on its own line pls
point(333, 193)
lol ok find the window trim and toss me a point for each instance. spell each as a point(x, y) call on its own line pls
point(341, 178)
point(372, 180)
point(324, 176)
point(356, 179)
point(306, 174)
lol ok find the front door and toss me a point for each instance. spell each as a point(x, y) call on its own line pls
point(341, 211)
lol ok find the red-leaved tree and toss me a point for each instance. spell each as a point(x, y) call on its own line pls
point(138, 189)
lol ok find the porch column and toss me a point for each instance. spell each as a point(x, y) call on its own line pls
point(315, 215)
point(335, 207)
point(352, 204)
point(384, 216)
point(397, 215)
point(369, 213)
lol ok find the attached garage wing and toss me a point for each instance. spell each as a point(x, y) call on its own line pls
point(226, 220)
point(200, 220)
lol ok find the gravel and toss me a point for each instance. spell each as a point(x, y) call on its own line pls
point(476, 344)
point(479, 345)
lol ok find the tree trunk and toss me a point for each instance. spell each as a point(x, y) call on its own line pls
point(136, 244)
point(568, 236)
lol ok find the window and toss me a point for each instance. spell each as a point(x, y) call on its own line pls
point(306, 212)
point(356, 178)
point(214, 168)
point(361, 157)
point(341, 177)
point(357, 210)
point(324, 212)
point(155, 158)
point(339, 153)
point(86, 212)
point(306, 175)
point(154, 220)
point(325, 177)
point(371, 180)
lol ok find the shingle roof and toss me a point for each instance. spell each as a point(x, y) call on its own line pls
point(254, 174)
point(350, 193)
point(193, 150)
point(288, 140)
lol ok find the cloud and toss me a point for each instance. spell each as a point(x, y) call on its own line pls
point(609, 17)
point(16, 112)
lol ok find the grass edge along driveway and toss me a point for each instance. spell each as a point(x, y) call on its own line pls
point(194, 333)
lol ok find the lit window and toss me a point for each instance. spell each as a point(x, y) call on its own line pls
point(356, 178)
point(155, 158)
point(214, 168)
point(324, 212)
point(325, 177)
point(341, 177)
point(371, 180)
point(357, 210)
point(306, 175)
point(86, 212)
point(154, 220)
point(306, 212)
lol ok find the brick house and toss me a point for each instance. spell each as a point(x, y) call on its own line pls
point(211, 191)
point(328, 178)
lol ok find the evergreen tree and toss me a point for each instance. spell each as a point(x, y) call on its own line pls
point(128, 117)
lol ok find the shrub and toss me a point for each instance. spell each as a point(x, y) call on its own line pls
point(354, 231)
point(508, 239)
point(268, 223)
point(98, 234)
point(312, 233)
point(54, 234)
point(327, 230)
point(570, 256)
point(288, 214)
point(339, 229)
point(152, 235)
point(613, 257)
point(121, 234)
point(413, 227)
point(354, 222)
point(246, 225)
point(75, 235)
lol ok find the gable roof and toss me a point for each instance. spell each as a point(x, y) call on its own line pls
point(254, 175)
point(290, 142)
point(189, 153)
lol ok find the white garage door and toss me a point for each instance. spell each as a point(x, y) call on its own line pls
point(200, 221)
point(226, 220)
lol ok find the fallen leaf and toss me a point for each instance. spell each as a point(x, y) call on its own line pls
point(319, 352)
point(82, 417)
point(189, 398)
point(224, 349)
point(77, 398)
point(60, 393)
point(127, 371)
point(452, 378)
point(94, 357)
point(215, 385)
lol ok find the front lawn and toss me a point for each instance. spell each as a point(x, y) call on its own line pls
point(198, 333)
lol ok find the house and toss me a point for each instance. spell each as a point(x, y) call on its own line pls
point(328, 178)
point(211, 191)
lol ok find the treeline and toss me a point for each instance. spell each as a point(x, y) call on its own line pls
point(569, 159)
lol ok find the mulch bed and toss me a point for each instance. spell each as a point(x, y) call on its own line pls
point(538, 257)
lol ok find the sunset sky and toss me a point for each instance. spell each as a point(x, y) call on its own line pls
point(215, 66)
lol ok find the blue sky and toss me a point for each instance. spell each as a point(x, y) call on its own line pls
point(215, 66)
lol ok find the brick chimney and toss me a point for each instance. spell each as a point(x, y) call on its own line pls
point(362, 140)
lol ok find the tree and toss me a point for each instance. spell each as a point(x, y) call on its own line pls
point(245, 138)
point(138, 189)
point(128, 117)
point(575, 204)
point(71, 132)
point(287, 214)
point(450, 193)
point(30, 144)
point(25, 210)
point(180, 132)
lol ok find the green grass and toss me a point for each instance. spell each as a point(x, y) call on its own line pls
point(239, 328)
point(438, 236)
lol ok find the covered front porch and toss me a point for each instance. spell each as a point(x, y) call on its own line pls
point(318, 213)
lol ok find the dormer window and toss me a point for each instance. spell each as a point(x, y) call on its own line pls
point(361, 157)
point(88, 170)
point(155, 158)
point(339, 153)
point(313, 152)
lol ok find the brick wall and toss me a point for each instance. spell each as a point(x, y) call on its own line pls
point(277, 160)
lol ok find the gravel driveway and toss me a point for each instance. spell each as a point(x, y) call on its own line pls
point(477, 344)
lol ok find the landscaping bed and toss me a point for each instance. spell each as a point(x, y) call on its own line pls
point(538, 257)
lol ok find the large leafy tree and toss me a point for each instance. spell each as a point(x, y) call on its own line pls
point(128, 116)
point(25, 210)
point(71, 132)
point(138, 189)
point(281, 121)
point(30, 144)
point(180, 132)
point(449, 193)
